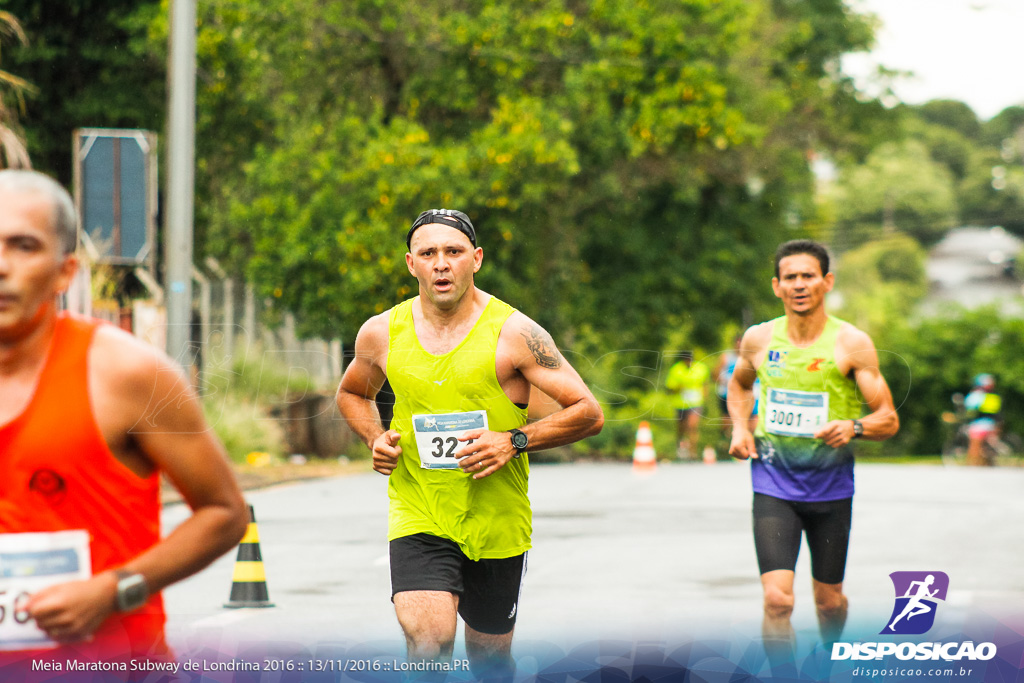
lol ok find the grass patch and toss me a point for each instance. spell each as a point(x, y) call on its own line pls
point(237, 397)
point(901, 459)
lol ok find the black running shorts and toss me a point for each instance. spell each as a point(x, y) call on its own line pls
point(779, 524)
point(488, 590)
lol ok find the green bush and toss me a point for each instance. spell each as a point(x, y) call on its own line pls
point(927, 361)
point(244, 427)
point(238, 395)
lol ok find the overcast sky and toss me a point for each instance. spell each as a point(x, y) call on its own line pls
point(968, 50)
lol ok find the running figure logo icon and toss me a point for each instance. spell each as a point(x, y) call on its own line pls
point(917, 594)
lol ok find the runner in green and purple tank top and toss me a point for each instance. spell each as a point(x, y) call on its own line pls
point(820, 390)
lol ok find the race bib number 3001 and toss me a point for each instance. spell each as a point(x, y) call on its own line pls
point(29, 563)
point(437, 436)
point(795, 413)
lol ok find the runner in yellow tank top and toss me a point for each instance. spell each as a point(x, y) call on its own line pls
point(429, 493)
point(461, 364)
point(811, 368)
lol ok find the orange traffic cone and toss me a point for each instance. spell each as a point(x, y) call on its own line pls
point(249, 585)
point(644, 457)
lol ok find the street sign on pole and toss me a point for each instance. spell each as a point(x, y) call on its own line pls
point(115, 183)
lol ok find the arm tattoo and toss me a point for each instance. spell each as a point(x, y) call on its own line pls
point(542, 346)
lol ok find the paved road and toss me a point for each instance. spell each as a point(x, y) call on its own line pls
point(666, 556)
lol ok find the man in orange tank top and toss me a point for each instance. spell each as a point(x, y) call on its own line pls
point(89, 417)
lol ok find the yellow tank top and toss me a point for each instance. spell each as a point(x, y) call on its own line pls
point(488, 518)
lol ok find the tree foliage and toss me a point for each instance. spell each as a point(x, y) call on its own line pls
point(927, 361)
point(881, 281)
point(630, 165)
point(939, 167)
point(899, 186)
point(952, 115)
point(12, 98)
point(91, 66)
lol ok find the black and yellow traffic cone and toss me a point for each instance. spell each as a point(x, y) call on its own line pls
point(249, 585)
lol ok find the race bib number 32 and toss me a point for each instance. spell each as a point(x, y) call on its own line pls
point(29, 563)
point(437, 436)
point(795, 413)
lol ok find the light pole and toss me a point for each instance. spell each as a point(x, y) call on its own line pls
point(181, 133)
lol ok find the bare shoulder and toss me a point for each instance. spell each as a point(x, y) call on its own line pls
point(135, 386)
point(374, 332)
point(372, 339)
point(852, 339)
point(528, 341)
point(127, 363)
point(854, 349)
point(756, 338)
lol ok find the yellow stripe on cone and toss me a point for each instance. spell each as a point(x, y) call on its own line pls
point(248, 571)
point(252, 534)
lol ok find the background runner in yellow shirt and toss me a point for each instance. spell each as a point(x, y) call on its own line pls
point(689, 380)
point(461, 364)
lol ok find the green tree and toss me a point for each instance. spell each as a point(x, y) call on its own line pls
point(985, 159)
point(651, 153)
point(927, 361)
point(899, 186)
point(993, 192)
point(91, 65)
point(1004, 129)
point(946, 146)
point(881, 281)
point(12, 93)
point(951, 114)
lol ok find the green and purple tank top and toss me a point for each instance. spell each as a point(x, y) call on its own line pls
point(802, 389)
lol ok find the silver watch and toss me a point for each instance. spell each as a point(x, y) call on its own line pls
point(132, 590)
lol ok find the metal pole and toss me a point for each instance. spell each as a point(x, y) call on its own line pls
point(204, 324)
point(181, 131)
point(229, 319)
point(250, 314)
point(229, 307)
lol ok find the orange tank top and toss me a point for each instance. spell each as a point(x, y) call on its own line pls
point(58, 473)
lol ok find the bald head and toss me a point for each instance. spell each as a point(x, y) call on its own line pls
point(63, 217)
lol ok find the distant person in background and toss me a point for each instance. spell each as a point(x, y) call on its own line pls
point(984, 407)
point(689, 380)
point(723, 375)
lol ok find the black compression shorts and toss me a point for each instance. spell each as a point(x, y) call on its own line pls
point(779, 524)
point(488, 589)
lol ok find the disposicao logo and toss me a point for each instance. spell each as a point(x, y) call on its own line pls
point(917, 597)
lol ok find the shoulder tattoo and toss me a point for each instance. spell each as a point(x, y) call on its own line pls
point(542, 346)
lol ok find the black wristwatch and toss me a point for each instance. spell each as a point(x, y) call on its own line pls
point(132, 590)
point(519, 441)
point(858, 429)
